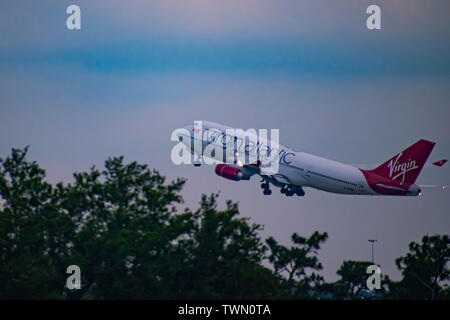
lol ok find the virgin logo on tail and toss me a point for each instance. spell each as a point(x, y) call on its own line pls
point(407, 164)
point(403, 168)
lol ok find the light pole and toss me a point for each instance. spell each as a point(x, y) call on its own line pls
point(373, 242)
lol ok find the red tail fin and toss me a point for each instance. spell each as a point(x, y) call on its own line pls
point(406, 166)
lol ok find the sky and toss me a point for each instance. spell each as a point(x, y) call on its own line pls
point(137, 70)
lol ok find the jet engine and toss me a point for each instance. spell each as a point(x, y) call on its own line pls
point(231, 173)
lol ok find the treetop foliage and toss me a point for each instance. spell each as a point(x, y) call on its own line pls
point(120, 225)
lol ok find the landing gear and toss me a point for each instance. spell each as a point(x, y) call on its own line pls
point(299, 191)
point(266, 191)
point(197, 164)
point(289, 191)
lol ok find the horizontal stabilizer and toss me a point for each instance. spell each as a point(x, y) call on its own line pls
point(440, 163)
point(436, 187)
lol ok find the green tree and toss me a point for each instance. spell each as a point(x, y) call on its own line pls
point(298, 263)
point(225, 257)
point(127, 230)
point(353, 281)
point(121, 227)
point(35, 234)
point(425, 274)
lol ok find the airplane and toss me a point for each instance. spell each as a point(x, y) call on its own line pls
point(297, 169)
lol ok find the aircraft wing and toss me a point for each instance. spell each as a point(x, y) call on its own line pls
point(250, 169)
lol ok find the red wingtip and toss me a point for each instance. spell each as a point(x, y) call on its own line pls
point(440, 163)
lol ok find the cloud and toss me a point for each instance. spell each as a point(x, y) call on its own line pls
point(326, 37)
point(224, 19)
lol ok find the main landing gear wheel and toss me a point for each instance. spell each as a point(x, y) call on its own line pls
point(291, 190)
point(288, 191)
point(266, 190)
point(299, 191)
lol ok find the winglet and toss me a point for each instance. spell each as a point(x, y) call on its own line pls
point(440, 163)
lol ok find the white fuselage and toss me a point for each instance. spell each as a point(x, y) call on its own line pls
point(307, 170)
point(304, 170)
